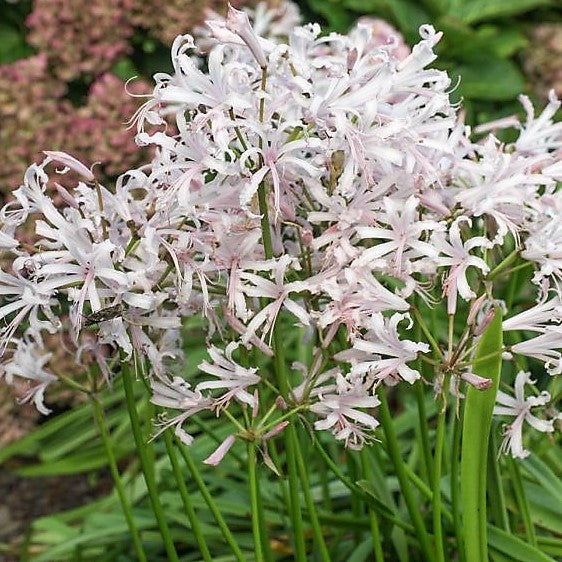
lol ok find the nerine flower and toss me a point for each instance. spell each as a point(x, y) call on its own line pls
point(520, 407)
point(28, 361)
point(458, 259)
point(545, 347)
point(341, 413)
point(176, 393)
point(231, 376)
point(385, 355)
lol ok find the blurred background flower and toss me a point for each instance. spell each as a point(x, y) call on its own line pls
point(80, 38)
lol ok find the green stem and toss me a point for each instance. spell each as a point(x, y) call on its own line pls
point(505, 263)
point(254, 500)
point(283, 384)
point(521, 499)
point(210, 502)
point(106, 440)
point(437, 465)
point(147, 468)
point(455, 496)
point(373, 521)
point(190, 511)
point(396, 457)
point(316, 528)
point(477, 421)
point(424, 427)
point(296, 515)
point(432, 341)
point(355, 500)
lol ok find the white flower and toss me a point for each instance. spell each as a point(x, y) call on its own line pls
point(458, 259)
point(341, 414)
point(545, 348)
point(536, 318)
point(28, 361)
point(520, 407)
point(176, 394)
point(231, 376)
point(388, 353)
point(403, 235)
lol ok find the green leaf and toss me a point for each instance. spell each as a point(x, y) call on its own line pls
point(125, 69)
point(546, 510)
point(489, 79)
point(477, 421)
point(12, 45)
point(545, 477)
point(473, 11)
point(338, 17)
point(74, 464)
point(369, 489)
point(362, 551)
point(514, 547)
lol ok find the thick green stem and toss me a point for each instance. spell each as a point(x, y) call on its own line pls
point(283, 384)
point(147, 467)
point(398, 462)
point(104, 434)
point(355, 500)
point(373, 521)
point(192, 467)
point(455, 495)
point(477, 421)
point(424, 427)
point(190, 511)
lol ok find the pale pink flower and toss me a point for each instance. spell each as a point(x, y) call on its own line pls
point(520, 408)
point(28, 361)
point(458, 259)
point(545, 347)
point(403, 232)
point(536, 318)
point(387, 353)
point(277, 290)
point(220, 452)
point(341, 412)
point(231, 376)
point(176, 394)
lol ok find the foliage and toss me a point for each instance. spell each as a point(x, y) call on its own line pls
point(483, 45)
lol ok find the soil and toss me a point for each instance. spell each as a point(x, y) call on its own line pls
point(25, 499)
point(22, 500)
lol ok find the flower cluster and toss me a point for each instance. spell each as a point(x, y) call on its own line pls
point(80, 38)
point(33, 112)
point(325, 183)
point(36, 114)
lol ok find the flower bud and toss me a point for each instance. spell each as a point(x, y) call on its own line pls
point(483, 324)
point(238, 22)
point(478, 382)
point(276, 430)
point(474, 309)
point(215, 458)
